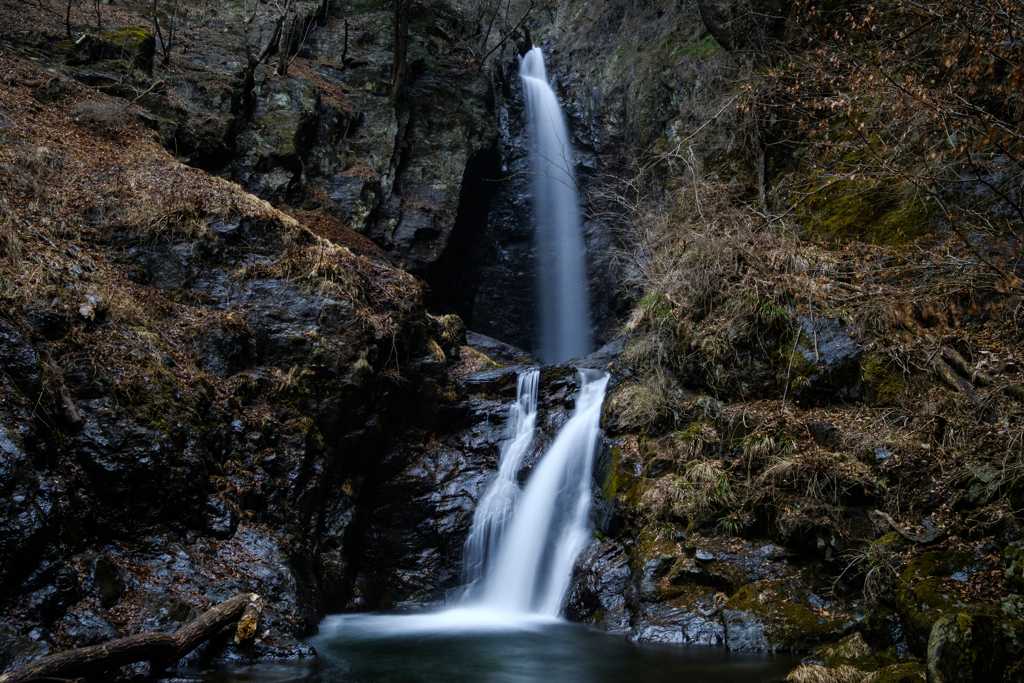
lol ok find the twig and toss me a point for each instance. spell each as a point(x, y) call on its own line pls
point(506, 36)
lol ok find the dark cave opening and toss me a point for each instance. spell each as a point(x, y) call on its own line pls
point(485, 275)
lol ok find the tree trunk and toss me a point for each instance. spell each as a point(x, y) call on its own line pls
point(161, 649)
point(400, 68)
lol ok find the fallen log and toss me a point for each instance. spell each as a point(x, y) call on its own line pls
point(950, 377)
point(160, 649)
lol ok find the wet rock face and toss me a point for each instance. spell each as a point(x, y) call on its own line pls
point(487, 274)
point(234, 465)
point(831, 361)
point(597, 594)
point(418, 511)
point(23, 522)
point(419, 521)
point(724, 592)
point(281, 131)
point(688, 624)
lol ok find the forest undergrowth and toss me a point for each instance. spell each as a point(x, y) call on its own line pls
point(831, 387)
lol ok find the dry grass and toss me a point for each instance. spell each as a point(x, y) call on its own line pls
point(816, 673)
point(716, 283)
point(702, 486)
point(644, 404)
point(725, 287)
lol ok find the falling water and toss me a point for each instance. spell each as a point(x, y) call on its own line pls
point(561, 279)
point(523, 546)
point(498, 502)
point(523, 543)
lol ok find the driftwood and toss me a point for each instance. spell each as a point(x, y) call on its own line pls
point(928, 536)
point(161, 649)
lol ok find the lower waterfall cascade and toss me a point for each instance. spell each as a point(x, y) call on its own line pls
point(531, 538)
point(523, 543)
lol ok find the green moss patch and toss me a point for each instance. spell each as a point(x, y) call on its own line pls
point(788, 619)
point(883, 381)
point(879, 214)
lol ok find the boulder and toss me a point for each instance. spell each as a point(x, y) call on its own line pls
point(965, 648)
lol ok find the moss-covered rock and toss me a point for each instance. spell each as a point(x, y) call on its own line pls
point(965, 648)
point(776, 615)
point(924, 594)
point(883, 382)
point(137, 44)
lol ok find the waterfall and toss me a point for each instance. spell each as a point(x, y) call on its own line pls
point(523, 543)
point(522, 546)
point(498, 502)
point(564, 314)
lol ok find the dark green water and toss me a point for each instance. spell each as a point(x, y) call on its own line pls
point(388, 649)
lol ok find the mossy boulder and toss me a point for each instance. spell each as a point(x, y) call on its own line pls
point(131, 44)
point(136, 44)
point(965, 648)
point(945, 562)
point(779, 616)
point(883, 382)
point(926, 593)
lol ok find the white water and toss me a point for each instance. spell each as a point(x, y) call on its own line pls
point(499, 501)
point(564, 314)
point(532, 544)
point(523, 543)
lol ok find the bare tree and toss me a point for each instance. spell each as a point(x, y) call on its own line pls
point(400, 67)
point(252, 62)
point(172, 26)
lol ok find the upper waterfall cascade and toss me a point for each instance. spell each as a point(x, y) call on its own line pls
point(564, 313)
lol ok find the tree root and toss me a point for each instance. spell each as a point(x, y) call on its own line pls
point(160, 649)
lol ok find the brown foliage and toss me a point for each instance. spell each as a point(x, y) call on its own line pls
point(920, 93)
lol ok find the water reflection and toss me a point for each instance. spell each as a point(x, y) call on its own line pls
point(417, 649)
